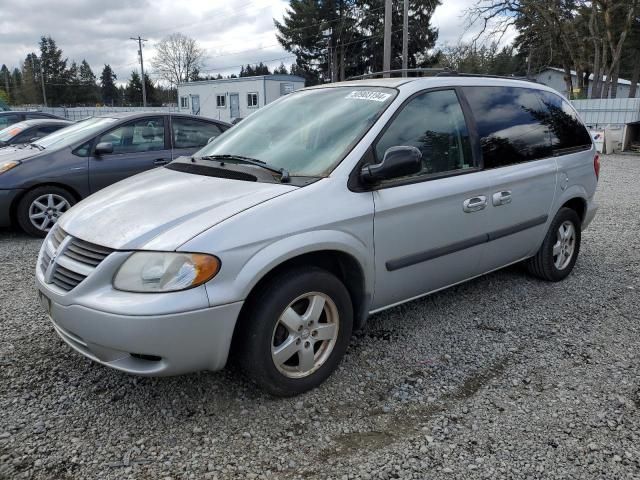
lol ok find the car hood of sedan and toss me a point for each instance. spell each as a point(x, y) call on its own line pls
point(12, 152)
point(162, 209)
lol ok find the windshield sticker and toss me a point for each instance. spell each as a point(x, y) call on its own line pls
point(369, 95)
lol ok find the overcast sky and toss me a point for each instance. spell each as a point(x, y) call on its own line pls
point(233, 32)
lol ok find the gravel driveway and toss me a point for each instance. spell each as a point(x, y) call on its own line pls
point(503, 377)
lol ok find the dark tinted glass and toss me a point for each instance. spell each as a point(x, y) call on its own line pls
point(565, 128)
point(144, 135)
point(512, 124)
point(188, 133)
point(434, 123)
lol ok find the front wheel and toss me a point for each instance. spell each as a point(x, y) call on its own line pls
point(559, 251)
point(296, 331)
point(40, 208)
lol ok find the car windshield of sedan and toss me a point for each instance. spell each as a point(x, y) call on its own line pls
point(75, 133)
point(307, 133)
point(11, 131)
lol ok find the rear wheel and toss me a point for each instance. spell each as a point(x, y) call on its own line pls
point(296, 331)
point(40, 209)
point(559, 251)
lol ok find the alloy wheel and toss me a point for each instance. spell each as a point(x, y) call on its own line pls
point(565, 245)
point(45, 210)
point(305, 335)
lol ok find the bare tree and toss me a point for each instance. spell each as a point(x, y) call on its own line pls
point(178, 59)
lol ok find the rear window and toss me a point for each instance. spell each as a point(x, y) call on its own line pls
point(565, 128)
point(512, 122)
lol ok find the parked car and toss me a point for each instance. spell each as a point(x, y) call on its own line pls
point(40, 182)
point(282, 235)
point(30, 130)
point(10, 117)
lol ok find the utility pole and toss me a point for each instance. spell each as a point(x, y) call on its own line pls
point(386, 55)
point(142, 79)
point(405, 38)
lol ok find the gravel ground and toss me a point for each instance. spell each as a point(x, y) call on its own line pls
point(503, 377)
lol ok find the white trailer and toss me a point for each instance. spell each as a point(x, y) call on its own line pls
point(231, 98)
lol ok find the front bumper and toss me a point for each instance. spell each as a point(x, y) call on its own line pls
point(148, 345)
point(6, 200)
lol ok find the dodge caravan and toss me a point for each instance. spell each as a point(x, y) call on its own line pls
point(280, 237)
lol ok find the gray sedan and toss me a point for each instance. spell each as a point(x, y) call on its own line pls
point(39, 182)
point(30, 131)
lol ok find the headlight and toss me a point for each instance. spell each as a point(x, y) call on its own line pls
point(5, 166)
point(151, 272)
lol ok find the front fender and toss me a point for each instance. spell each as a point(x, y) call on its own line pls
point(237, 287)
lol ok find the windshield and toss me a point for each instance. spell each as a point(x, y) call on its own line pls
point(74, 133)
point(307, 133)
point(11, 131)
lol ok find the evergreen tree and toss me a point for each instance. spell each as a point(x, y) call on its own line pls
point(88, 90)
point(108, 89)
point(54, 69)
point(134, 90)
point(31, 92)
point(282, 70)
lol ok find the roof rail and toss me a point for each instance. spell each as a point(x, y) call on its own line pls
point(482, 75)
point(434, 71)
point(437, 72)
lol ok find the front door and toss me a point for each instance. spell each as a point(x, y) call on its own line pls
point(195, 104)
point(234, 103)
point(426, 235)
point(138, 145)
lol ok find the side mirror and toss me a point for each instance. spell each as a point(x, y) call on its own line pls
point(104, 148)
point(397, 162)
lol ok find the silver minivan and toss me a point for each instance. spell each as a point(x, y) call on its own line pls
point(278, 239)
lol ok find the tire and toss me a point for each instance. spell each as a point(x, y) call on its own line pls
point(547, 264)
point(268, 348)
point(49, 202)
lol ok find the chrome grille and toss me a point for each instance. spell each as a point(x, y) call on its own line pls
point(73, 259)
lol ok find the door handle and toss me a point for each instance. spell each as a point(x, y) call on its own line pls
point(160, 161)
point(501, 198)
point(474, 204)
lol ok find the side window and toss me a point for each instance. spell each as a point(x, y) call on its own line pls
point(252, 100)
point(566, 130)
point(46, 130)
point(189, 133)
point(434, 123)
point(7, 120)
point(83, 150)
point(34, 116)
point(142, 135)
point(511, 124)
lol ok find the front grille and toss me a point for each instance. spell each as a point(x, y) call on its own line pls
point(73, 259)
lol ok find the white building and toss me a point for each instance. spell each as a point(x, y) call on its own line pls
point(231, 98)
point(554, 78)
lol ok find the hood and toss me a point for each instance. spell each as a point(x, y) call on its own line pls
point(162, 209)
point(12, 152)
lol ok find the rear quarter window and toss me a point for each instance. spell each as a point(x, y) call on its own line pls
point(512, 123)
point(566, 130)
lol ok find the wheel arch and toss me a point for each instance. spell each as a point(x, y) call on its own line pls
point(16, 201)
point(344, 265)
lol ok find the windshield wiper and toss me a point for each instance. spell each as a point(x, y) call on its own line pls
point(284, 174)
point(39, 147)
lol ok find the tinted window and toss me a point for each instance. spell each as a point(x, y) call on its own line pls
point(47, 129)
point(434, 123)
point(33, 116)
point(25, 137)
point(9, 119)
point(188, 133)
point(565, 128)
point(511, 124)
point(143, 135)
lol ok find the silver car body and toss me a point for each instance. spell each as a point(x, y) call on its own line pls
point(397, 242)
